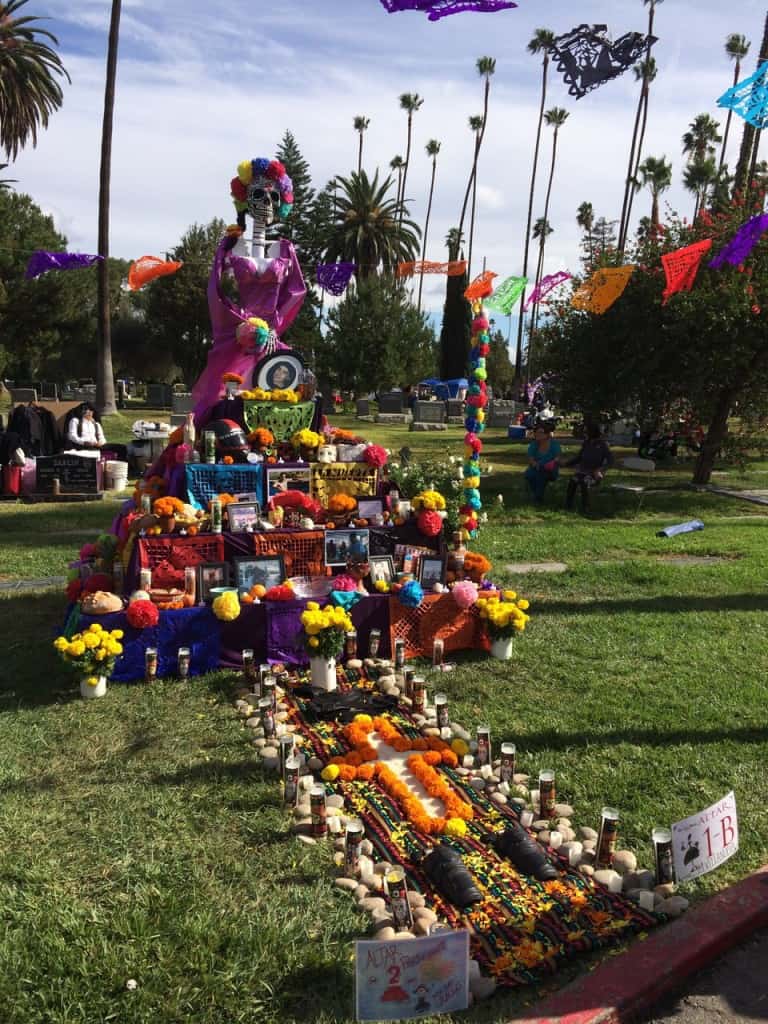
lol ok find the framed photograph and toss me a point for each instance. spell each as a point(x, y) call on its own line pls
point(367, 508)
point(243, 514)
point(431, 571)
point(403, 508)
point(406, 556)
point(382, 568)
point(279, 371)
point(210, 575)
point(343, 544)
point(288, 478)
point(250, 496)
point(269, 570)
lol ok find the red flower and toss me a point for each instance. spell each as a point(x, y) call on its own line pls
point(73, 590)
point(141, 614)
point(375, 455)
point(429, 523)
point(756, 310)
point(280, 593)
point(99, 581)
point(238, 190)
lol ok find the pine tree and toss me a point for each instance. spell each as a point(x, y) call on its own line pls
point(457, 320)
point(297, 226)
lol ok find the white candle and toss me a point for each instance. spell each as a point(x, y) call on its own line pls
point(555, 839)
point(526, 819)
point(575, 851)
point(615, 883)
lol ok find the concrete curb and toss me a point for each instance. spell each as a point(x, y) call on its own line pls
point(629, 984)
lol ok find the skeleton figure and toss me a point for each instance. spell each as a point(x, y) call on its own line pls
point(263, 199)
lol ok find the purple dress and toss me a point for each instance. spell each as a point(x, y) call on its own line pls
point(274, 294)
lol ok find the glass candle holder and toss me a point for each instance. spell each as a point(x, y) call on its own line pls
point(547, 793)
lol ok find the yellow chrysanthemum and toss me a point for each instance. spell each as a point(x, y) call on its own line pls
point(77, 648)
point(330, 773)
point(61, 643)
point(92, 681)
point(455, 827)
point(459, 747)
point(100, 655)
point(312, 606)
point(91, 640)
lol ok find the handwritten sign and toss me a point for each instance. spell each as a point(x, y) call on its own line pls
point(355, 478)
point(414, 978)
point(77, 474)
point(706, 840)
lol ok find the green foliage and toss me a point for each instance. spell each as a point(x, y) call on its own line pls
point(376, 339)
point(706, 350)
point(48, 325)
point(501, 371)
point(432, 473)
point(177, 305)
point(456, 330)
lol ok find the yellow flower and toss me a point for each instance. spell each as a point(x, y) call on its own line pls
point(92, 681)
point(312, 606)
point(118, 634)
point(100, 655)
point(510, 595)
point(523, 604)
point(313, 641)
point(330, 773)
point(455, 827)
point(312, 629)
point(91, 640)
point(459, 747)
point(118, 648)
point(93, 628)
point(61, 643)
point(382, 586)
point(363, 719)
point(77, 648)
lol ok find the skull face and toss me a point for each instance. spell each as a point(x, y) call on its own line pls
point(263, 201)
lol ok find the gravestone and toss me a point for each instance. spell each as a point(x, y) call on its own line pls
point(181, 403)
point(77, 474)
point(49, 392)
point(500, 413)
point(392, 408)
point(429, 416)
point(362, 408)
point(20, 396)
point(455, 410)
point(158, 395)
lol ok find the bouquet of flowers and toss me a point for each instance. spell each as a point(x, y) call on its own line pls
point(91, 653)
point(503, 615)
point(324, 630)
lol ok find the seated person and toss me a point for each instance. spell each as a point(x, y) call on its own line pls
point(593, 459)
point(544, 462)
point(86, 433)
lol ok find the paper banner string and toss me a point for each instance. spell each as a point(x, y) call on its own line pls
point(41, 261)
point(749, 99)
point(599, 293)
point(335, 277)
point(481, 287)
point(436, 9)
point(587, 58)
point(544, 287)
point(681, 268)
point(742, 243)
point(453, 269)
point(147, 268)
point(505, 297)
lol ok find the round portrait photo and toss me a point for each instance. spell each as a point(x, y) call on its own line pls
point(279, 371)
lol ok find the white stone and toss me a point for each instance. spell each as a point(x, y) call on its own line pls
point(259, 743)
point(590, 844)
point(385, 934)
point(540, 824)
point(573, 852)
point(567, 833)
point(555, 839)
point(334, 825)
point(271, 763)
point(563, 823)
point(534, 796)
point(504, 788)
point(445, 733)
point(431, 730)
point(587, 833)
point(419, 719)
point(522, 791)
point(642, 879)
point(563, 810)
point(365, 864)
point(468, 761)
point(498, 798)
point(543, 837)
point(360, 891)
point(338, 859)
point(477, 783)
point(334, 800)
point(645, 899)
point(520, 779)
point(674, 906)
point(309, 840)
point(586, 869)
point(415, 899)
point(461, 732)
point(624, 861)
point(486, 771)
point(253, 723)
point(610, 879)
point(366, 848)
point(371, 903)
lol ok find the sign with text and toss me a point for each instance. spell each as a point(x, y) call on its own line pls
point(355, 478)
point(77, 474)
point(706, 840)
point(414, 978)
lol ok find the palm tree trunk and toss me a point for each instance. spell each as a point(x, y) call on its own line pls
point(105, 382)
point(426, 229)
point(360, 154)
point(405, 166)
point(753, 165)
point(591, 249)
point(724, 147)
point(741, 182)
point(478, 144)
point(472, 227)
point(535, 311)
point(519, 347)
point(654, 212)
point(635, 156)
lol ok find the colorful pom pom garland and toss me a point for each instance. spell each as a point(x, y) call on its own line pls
point(474, 422)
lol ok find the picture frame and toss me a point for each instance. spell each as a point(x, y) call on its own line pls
point(343, 544)
point(288, 477)
point(431, 570)
point(279, 371)
point(382, 568)
point(210, 575)
point(367, 508)
point(403, 509)
point(242, 515)
point(269, 570)
point(406, 556)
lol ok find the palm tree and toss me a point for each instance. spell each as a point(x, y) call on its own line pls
point(475, 125)
point(736, 48)
point(29, 91)
point(698, 177)
point(585, 218)
point(541, 231)
point(750, 139)
point(486, 66)
point(396, 164)
point(432, 150)
point(410, 103)
point(368, 229)
point(645, 76)
point(656, 175)
point(700, 138)
point(645, 72)
point(105, 381)
point(554, 118)
point(542, 42)
point(360, 124)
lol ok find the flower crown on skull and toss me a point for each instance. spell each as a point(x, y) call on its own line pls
point(261, 188)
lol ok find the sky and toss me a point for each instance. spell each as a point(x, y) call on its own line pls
point(202, 86)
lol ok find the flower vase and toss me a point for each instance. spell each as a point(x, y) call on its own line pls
point(88, 692)
point(501, 648)
point(323, 672)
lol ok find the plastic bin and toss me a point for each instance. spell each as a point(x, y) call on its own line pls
point(116, 473)
point(516, 433)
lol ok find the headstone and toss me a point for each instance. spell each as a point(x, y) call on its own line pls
point(391, 402)
point(455, 410)
point(500, 413)
point(77, 474)
point(158, 395)
point(181, 402)
point(429, 416)
point(49, 392)
point(362, 408)
point(20, 396)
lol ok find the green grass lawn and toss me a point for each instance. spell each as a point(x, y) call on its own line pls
point(141, 840)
